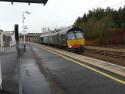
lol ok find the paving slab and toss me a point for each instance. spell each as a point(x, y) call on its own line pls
point(33, 81)
point(21, 74)
point(9, 66)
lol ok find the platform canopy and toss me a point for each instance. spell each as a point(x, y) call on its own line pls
point(27, 1)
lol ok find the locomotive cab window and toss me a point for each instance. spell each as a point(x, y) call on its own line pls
point(71, 35)
point(79, 34)
point(75, 34)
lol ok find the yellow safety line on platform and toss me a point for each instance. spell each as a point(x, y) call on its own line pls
point(91, 68)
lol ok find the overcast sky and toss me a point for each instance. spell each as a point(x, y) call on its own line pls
point(55, 13)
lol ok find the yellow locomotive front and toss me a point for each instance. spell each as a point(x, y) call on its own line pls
point(75, 40)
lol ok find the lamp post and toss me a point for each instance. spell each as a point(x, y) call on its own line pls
point(24, 27)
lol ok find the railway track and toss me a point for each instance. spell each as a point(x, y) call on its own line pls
point(107, 52)
point(111, 52)
point(113, 55)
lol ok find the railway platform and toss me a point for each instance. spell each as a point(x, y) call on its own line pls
point(41, 70)
point(9, 71)
point(21, 75)
point(75, 77)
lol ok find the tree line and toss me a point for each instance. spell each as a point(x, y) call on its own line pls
point(101, 25)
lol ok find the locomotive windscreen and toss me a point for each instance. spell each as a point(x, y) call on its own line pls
point(75, 35)
point(79, 34)
point(71, 35)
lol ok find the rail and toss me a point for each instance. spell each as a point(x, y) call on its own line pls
point(112, 52)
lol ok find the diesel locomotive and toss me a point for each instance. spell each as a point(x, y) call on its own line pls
point(71, 37)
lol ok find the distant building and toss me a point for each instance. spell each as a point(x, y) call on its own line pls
point(33, 37)
point(8, 33)
point(12, 41)
point(1, 37)
point(7, 37)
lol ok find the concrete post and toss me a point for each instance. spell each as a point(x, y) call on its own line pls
point(1, 43)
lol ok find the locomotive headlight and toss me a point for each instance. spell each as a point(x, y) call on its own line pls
point(70, 46)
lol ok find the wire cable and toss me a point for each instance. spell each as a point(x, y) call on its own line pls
point(83, 10)
point(70, 20)
point(118, 4)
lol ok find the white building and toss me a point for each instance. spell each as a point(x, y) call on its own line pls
point(13, 41)
point(1, 39)
point(9, 38)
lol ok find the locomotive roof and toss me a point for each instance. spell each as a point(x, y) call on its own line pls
point(64, 31)
point(60, 31)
